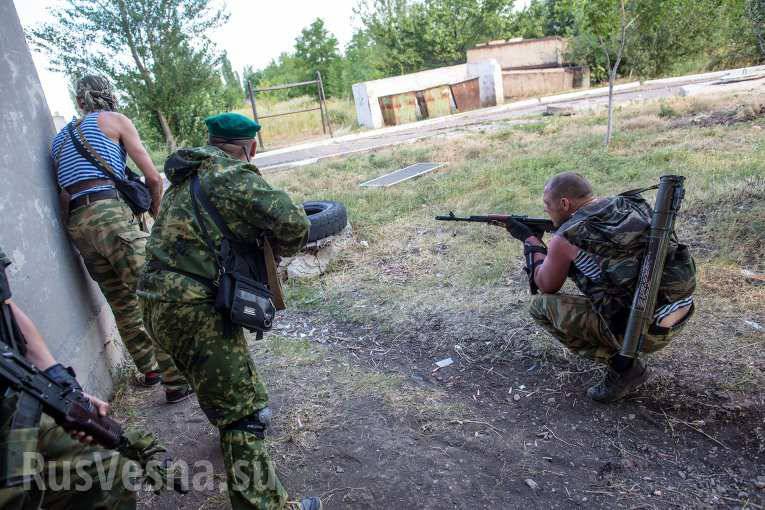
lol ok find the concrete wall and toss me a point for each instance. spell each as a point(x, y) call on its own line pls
point(47, 277)
point(366, 94)
point(539, 82)
point(545, 52)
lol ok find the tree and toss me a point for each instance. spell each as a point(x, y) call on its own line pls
point(144, 46)
point(450, 27)
point(393, 26)
point(531, 22)
point(362, 62)
point(417, 35)
point(232, 91)
point(608, 21)
point(756, 12)
point(317, 48)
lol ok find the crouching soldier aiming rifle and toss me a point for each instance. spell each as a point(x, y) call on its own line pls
point(64, 437)
point(636, 278)
point(637, 281)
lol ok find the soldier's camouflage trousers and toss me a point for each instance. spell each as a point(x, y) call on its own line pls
point(573, 321)
point(69, 475)
point(113, 247)
point(227, 385)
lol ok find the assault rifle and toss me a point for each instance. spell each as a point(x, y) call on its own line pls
point(38, 392)
point(71, 410)
point(538, 225)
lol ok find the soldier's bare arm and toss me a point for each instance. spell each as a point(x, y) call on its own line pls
point(132, 141)
point(37, 350)
point(551, 275)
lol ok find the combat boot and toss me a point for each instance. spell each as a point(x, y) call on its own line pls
point(616, 385)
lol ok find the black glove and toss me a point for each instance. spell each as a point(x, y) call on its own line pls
point(518, 230)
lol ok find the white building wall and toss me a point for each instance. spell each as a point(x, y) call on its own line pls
point(366, 94)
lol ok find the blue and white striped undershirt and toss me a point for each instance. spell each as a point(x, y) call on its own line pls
point(73, 168)
point(588, 266)
point(586, 263)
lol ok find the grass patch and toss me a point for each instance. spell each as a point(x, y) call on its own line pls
point(289, 129)
point(406, 270)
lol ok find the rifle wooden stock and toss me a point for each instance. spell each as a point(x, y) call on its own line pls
point(274, 283)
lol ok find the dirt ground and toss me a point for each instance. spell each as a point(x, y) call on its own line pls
point(364, 420)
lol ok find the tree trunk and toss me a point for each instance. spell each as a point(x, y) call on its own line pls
point(609, 129)
point(168, 134)
point(147, 79)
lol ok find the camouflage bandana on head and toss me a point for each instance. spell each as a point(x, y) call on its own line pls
point(96, 93)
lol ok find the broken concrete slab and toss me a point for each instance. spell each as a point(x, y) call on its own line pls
point(316, 256)
point(560, 110)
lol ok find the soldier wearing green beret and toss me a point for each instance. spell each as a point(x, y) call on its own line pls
point(178, 303)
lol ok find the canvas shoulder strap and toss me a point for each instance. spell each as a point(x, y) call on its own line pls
point(204, 199)
point(638, 191)
point(86, 151)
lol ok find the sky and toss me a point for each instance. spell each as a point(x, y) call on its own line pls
point(256, 33)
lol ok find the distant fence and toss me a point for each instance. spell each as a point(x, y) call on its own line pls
point(325, 124)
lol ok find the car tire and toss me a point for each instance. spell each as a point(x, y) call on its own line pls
point(327, 218)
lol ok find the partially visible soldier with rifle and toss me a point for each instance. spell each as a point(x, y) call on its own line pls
point(64, 438)
point(637, 280)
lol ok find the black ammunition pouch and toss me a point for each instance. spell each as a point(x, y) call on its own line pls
point(242, 295)
point(243, 300)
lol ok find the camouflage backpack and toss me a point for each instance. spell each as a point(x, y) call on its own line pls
point(614, 232)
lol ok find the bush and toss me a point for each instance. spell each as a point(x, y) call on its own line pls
point(666, 111)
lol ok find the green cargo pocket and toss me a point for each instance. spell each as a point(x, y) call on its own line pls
point(131, 256)
point(132, 235)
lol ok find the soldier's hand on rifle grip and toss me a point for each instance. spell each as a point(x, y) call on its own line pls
point(98, 406)
point(518, 230)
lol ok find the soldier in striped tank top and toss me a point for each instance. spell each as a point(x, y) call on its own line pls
point(109, 237)
point(599, 243)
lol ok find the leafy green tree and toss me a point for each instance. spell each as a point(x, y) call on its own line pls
point(450, 27)
point(531, 22)
point(156, 53)
point(362, 62)
point(422, 35)
point(317, 49)
point(608, 21)
point(395, 27)
point(233, 94)
point(756, 13)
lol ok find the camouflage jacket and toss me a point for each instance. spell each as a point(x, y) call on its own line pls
point(614, 232)
point(248, 204)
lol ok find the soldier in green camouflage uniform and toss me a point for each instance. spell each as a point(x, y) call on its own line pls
point(108, 236)
point(178, 309)
point(599, 244)
point(54, 445)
